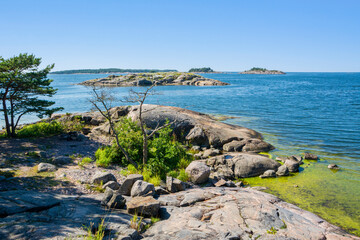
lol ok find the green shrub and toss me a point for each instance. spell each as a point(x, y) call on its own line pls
point(40, 129)
point(183, 176)
point(107, 155)
point(164, 152)
point(84, 161)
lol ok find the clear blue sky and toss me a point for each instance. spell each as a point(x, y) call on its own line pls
point(227, 35)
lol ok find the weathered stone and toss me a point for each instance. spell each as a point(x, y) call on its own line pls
point(310, 156)
point(333, 166)
point(160, 191)
point(102, 178)
point(126, 186)
point(116, 201)
point(292, 165)
point(210, 152)
point(142, 188)
point(283, 171)
point(239, 184)
point(248, 165)
point(112, 185)
point(143, 206)
point(46, 167)
point(256, 145)
point(234, 146)
point(268, 174)
point(198, 172)
point(220, 183)
point(107, 196)
point(174, 184)
point(196, 136)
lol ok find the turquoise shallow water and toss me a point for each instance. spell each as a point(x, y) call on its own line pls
point(296, 112)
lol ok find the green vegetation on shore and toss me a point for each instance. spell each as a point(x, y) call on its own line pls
point(202, 70)
point(111, 70)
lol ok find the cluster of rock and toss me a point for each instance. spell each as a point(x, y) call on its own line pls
point(158, 79)
point(262, 71)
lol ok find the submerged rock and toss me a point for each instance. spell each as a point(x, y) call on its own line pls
point(310, 156)
point(292, 165)
point(333, 166)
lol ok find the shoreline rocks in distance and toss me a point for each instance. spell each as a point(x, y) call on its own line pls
point(256, 70)
point(158, 79)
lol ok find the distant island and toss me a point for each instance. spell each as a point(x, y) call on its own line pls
point(257, 70)
point(111, 70)
point(147, 79)
point(201, 70)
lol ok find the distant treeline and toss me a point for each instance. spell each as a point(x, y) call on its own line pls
point(112, 70)
point(204, 69)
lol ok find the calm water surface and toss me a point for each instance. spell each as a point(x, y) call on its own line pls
point(296, 112)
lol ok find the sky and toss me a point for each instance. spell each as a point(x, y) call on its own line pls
point(226, 35)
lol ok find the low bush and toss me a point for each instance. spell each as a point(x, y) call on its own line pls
point(164, 152)
point(40, 129)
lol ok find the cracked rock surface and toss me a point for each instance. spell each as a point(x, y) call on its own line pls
point(236, 213)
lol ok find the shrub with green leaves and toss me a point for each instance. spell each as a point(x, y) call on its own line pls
point(41, 129)
point(165, 153)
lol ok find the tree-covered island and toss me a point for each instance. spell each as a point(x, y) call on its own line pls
point(257, 70)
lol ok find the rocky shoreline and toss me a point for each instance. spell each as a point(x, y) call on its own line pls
point(49, 195)
point(266, 72)
point(158, 79)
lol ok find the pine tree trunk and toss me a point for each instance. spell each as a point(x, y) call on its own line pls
point(6, 117)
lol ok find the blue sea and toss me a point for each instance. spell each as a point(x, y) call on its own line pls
point(296, 112)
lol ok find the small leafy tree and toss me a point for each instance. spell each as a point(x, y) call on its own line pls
point(21, 83)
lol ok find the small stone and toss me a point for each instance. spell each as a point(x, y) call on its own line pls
point(46, 167)
point(126, 186)
point(239, 184)
point(220, 183)
point(296, 186)
point(103, 177)
point(230, 184)
point(174, 184)
point(161, 191)
point(143, 206)
point(117, 201)
point(333, 166)
point(268, 174)
point(310, 156)
point(210, 152)
point(142, 188)
point(112, 185)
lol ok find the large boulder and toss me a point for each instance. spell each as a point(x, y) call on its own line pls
point(143, 206)
point(142, 188)
point(256, 145)
point(102, 178)
point(240, 165)
point(234, 146)
point(198, 172)
point(174, 184)
point(46, 167)
point(197, 136)
point(126, 186)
